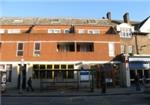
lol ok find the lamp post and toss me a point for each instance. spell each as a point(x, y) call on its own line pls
point(127, 70)
point(21, 68)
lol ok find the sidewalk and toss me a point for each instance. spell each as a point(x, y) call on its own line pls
point(67, 93)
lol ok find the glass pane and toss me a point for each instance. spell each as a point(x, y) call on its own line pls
point(140, 73)
point(146, 73)
point(49, 66)
point(20, 53)
point(20, 46)
point(71, 74)
point(132, 74)
point(37, 46)
point(35, 67)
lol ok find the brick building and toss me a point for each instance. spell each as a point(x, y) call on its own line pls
point(42, 45)
point(134, 41)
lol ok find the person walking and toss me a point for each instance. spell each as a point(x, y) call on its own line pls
point(103, 80)
point(137, 82)
point(30, 84)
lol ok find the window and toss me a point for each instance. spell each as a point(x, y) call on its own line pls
point(54, 30)
point(70, 72)
point(20, 49)
point(91, 21)
point(40, 72)
point(85, 47)
point(37, 48)
point(82, 31)
point(130, 49)
point(2, 31)
point(123, 49)
point(66, 47)
point(2, 67)
point(125, 32)
point(9, 72)
point(13, 31)
point(66, 31)
point(94, 31)
point(111, 49)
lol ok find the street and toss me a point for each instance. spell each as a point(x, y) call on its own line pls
point(133, 99)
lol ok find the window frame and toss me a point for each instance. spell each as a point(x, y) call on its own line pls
point(35, 50)
point(2, 31)
point(18, 50)
point(13, 31)
point(54, 31)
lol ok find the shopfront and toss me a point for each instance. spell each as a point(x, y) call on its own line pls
point(139, 65)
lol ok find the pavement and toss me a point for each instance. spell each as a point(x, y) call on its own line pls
point(67, 93)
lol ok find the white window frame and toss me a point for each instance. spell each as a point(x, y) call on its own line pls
point(111, 48)
point(94, 31)
point(81, 31)
point(54, 30)
point(35, 50)
point(2, 31)
point(20, 50)
point(130, 49)
point(126, 32)
point(123, 49)
point(13, 31)
point(67, 29)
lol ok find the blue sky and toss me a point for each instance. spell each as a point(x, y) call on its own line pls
point(138, 9)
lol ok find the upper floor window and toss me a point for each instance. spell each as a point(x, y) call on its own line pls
point(82, 31)
point(13, 31)
point(123, 49)
point(125, 32)
point(111, 47)
point(66, 31)
point(130, 49)
point(2, 31)
point(66, 47)
point(85, 47)
point(94, 31)
point(20, 47)
point(37, 48)
point(54, 30)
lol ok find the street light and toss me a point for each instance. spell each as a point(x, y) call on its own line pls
point(21, 67)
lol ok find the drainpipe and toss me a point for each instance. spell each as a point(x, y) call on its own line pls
point(136, 43)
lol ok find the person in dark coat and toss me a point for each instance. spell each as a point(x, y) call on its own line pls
point(103, 80)
point(137, 82)
point(30, 84)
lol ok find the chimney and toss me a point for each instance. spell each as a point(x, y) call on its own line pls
point(126, 17)
point(109, 15)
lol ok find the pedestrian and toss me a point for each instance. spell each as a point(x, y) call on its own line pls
point(103, 80)
point(98, 76)
point(137, 82)
point(30, 84)
point(143, 80)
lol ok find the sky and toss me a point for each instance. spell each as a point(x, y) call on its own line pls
point(138, 9)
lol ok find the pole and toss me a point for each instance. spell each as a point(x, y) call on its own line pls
point(127, 71)
point(21, 68)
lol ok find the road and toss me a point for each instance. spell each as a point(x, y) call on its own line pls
point(133, 99)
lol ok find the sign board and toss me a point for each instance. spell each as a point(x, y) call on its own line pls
point(139, 65)
point(84, 75)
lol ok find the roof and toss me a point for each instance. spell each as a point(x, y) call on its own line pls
point(51, 21)
point(121, 21)
point(141, 23)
